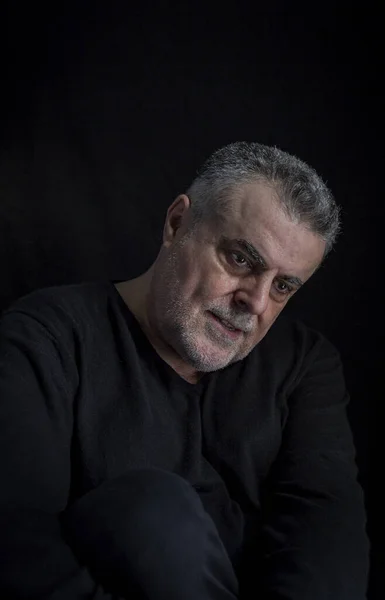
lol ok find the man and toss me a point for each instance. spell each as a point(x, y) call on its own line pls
point(159, 438)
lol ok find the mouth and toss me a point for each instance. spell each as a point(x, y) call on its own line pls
point(226, 327)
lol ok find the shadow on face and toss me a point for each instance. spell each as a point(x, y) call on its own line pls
point(217, 288)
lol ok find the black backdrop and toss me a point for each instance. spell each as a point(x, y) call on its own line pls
point(108, 111)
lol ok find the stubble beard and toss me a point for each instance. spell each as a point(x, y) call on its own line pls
point(198, 343)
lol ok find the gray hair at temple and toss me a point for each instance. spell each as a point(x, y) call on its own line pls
point(304, 196)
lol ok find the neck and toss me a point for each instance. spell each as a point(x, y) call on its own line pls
point(136, 295)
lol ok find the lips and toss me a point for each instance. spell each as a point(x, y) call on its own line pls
point(227, 324)
point(228, 327)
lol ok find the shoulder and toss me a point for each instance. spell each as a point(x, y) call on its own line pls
point(65, 307)
point(290, 336)
point(291, 349)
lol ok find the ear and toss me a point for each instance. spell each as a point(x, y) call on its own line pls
point(175, 218)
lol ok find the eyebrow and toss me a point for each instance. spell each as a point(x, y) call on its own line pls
point(257, 257)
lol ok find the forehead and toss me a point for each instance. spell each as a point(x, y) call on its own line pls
point(255, 215)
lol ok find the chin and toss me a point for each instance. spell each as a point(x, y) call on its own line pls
point(208, 358)
point(209, 366)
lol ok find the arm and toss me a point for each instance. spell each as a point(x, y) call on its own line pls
point(314, 529)
point(38, 380)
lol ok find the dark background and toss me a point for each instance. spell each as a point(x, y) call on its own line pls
point(108, 110)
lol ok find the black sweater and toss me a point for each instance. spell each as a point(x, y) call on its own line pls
point(265, 441)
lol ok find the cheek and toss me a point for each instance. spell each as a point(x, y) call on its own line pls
point(213, 284)
point(183, 266)
point(202, 276)
point(189, 275)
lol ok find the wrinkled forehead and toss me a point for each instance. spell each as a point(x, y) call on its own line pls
point(254, 213)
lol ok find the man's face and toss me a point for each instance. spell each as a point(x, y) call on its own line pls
point(215, 293)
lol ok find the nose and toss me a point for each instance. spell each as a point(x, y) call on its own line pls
point(254, 296)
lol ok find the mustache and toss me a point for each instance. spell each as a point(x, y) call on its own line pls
point(237, 321)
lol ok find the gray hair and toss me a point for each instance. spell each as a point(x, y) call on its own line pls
point(303, 194)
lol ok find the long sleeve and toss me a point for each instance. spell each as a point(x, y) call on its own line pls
point(38, 380)
point(315, 544)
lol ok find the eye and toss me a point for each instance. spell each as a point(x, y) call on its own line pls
point(239, 259)
point(283, 287)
